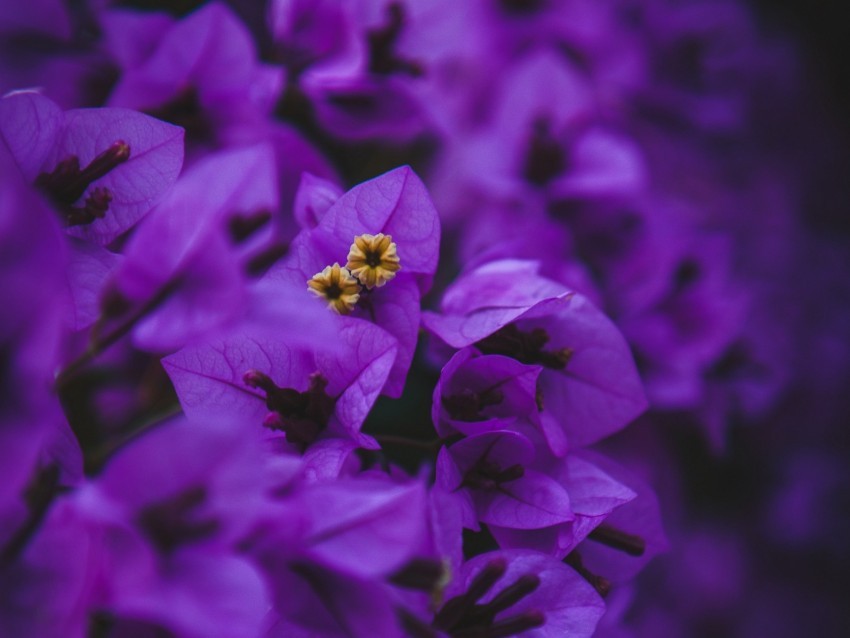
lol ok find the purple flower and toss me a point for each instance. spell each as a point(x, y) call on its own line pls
point(316, 400)
point(310, 34)
point(594, 496)
point(164, 518)
point(46, 583)
point(394, 205)
point(516, 592)
point(493, 469)
point(182, 263)
point(31, 334)
point(329, 553)
point(589, 384)
point(542, 143)
point(202, 73)
point(361, 86)
point(632, 534)
point(503, 469)
point(89, 269)
point(477, 394)
point(102, 169)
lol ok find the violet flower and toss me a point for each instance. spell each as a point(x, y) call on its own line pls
point(480, 393)
point(329, 559)
point(31, 338)
point(164, 518)
point(394, 205)
point(542, 142)
point(102, 169)
point(202, 73)
point(347, 70)
point(589, 384)
point(314, 401)
point(521, 593)
point(494, 471)
point(489, 398)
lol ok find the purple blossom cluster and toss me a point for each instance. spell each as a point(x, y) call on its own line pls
point(328, 318)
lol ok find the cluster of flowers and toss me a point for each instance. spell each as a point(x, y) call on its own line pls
point(205, 323)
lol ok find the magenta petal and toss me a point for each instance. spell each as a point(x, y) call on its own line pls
point(510, 284)
point(448, 481)
point(502, 447)
point(29, 126)
point(396, 309)
point(89, 268)
point(326, 458)
point(592, 491)
point(179, 229)
point(490, 297)
point(530, 502)
point(365, 527)
point(291, 309)
point(159, 463)
point(156, 156)
point(313, 199)
point(640, 517)
point(571, 606)
point(469, 372)
point(209, 377)
point(362, 364)
point(131, 36)
point(314, 602)
point(600, 390)
point(209, 50)
point(219, 595)
point(396, 204)
point(211, 295)
point(555, 540)
point(593, 496)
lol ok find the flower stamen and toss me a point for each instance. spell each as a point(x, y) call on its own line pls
point(373, 259)
point(336, 285)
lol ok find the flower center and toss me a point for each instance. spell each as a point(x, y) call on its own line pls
point(67, 183)
point(487, 475)
point(525, 347)
point(242, 226)
point(383, 59)
point(521, 6)
point(302, 416)
point(337, 286)
point(373, 259)
point(185, 110)
point(545, 158)
point(462, 616)
point(467, 405)
point(170, 524)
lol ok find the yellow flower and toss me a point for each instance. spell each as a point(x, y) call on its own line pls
point(336, 285)
point(373, 259)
